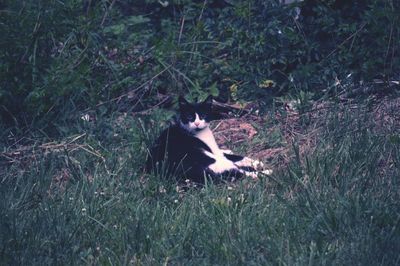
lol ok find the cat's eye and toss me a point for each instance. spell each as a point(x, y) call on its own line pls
point(202, 116)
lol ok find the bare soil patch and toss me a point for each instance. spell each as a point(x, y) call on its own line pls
point(304, 128)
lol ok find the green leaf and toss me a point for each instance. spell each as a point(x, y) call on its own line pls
point(214, 90)
point(134, 20)
point(115, 29)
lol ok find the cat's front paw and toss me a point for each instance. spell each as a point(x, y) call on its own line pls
point(266, 172)
point(248, 162)
point(251, 174)
point(245, 162)
point(255, 174)
point(258, 164)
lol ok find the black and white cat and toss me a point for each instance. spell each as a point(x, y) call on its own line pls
point(188, 149)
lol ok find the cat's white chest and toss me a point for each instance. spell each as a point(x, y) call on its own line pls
point(207, 137)
point(221, 163)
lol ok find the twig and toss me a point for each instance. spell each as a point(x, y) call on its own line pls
point(76, 138)
point(29, 151)
point(202, 10)
point(164, 100)
point(223, 107)
point(388, 47)
point(181, 30)
point(131, 91)
point(347, 39)
point(106, 13)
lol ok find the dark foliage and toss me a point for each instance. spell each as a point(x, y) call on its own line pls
point(59, 58)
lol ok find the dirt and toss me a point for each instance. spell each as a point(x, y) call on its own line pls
point(302, 129)
point(233, 131)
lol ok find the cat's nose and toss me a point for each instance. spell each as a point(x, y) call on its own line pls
point(196, 124)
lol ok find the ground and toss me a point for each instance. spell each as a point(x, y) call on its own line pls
point(290, 125)
point(332, 199)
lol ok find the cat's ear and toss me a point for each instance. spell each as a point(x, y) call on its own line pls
point(182, 101)
point(208, 101)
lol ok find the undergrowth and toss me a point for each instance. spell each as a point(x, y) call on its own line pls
point(61, 58)
point(84, 89)
point(85, 200)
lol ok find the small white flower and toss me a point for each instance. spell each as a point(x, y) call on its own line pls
point(85, 117)
point(267, 172)
point(163, 3)
point(337, 82)
point(162, 189)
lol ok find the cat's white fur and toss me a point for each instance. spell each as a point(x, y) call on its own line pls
point(221, 163)
point(201, 131)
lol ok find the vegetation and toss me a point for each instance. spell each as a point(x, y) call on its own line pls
point(86, 86)
point(62, 57)
point(84, 201)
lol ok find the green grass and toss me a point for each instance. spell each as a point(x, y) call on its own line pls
point(337, 203)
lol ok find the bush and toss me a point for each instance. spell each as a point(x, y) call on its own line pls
point(60, 58)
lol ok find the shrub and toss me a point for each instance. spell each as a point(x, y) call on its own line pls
point(64, 57)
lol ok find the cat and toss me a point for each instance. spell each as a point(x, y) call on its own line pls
point(188, 149)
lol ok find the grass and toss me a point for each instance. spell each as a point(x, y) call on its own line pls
point(333, 200)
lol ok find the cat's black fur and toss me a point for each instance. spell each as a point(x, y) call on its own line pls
point(177, 152)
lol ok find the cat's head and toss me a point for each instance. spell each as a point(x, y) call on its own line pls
point(194, 117)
